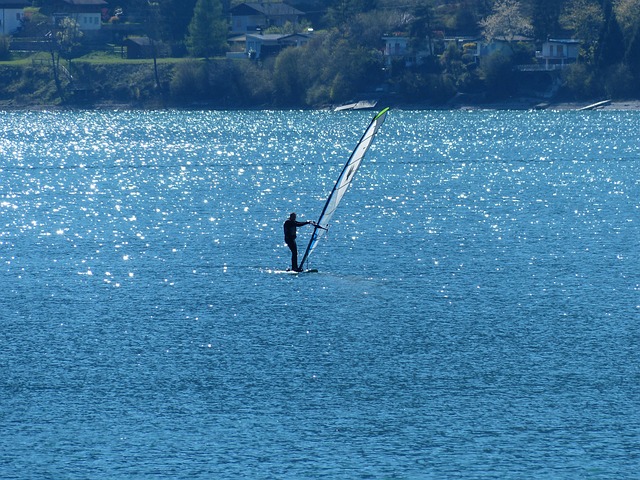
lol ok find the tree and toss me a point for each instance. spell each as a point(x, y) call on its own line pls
point(68, 37)
point(618, 82)
point(632, 55)
point(506, 22)
point(466, 17)
point(451, 60)
point(152, 27)
point(288, 77)
point(353, 70)
point(207, 30)
point(367, 29)
point(34, 23)
point(498, 75)
point(610, 47)
point(63, 43)
point(584, 18)
point(175, 18)
point(329, 69)
point(628, 15)
point(5, 43)
point(189, 81)
point(579, 81)
point(342, 11)
point(422, 26)
point(545, 18)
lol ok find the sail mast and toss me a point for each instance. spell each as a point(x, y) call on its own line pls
point(343, 182)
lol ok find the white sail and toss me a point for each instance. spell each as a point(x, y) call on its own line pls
point(343, 182)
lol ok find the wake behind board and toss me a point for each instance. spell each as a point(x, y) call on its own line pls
point(293, 272)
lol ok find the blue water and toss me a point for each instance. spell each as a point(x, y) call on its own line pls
point(475, 315)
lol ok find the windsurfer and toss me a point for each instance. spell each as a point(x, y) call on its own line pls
point(290, 226)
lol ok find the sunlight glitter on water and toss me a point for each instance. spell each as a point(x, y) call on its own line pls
point(475, 301)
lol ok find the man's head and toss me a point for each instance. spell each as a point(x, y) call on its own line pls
point(292, 216)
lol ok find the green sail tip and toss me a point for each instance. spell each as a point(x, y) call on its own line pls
point(382, 112)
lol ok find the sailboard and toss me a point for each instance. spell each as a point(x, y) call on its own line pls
point(293, 272)
point(343, 182)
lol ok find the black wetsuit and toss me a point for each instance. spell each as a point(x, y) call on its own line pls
point(290, 239)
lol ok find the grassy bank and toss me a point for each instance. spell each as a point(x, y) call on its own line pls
point(104, 80)
point(97, 80)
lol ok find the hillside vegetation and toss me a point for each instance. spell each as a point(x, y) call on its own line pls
point(343, 60)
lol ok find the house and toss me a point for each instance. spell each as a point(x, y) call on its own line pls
point(556, 53)
point(263, 45)
point(11, 15)
point(138, 47)
point(86, 13)
point(499, 45)
point(398, 47)
point(251, 17)
point(395, 47)
point(462, 43)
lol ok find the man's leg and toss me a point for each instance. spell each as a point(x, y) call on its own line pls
point(294, 255)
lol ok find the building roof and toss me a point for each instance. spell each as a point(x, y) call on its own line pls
point(515, 38)
point(267, 37)
point(570, 41)
point(267, 9)
point(86, 2)
point(14, 3)
point(140, 41)
point(275, 37)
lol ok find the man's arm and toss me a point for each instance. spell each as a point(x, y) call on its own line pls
point(319, 226)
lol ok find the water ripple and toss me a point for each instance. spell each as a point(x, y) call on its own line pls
point(474, 315)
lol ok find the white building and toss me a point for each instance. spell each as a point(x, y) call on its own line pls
point(86, 13)
point(11, 15)
point(260, 46)
point(556, 53)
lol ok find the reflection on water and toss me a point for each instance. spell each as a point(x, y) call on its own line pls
point(473, 314)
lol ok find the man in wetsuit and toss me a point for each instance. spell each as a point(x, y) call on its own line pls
point(290, 226)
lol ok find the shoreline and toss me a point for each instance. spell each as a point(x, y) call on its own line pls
point(525, 104)
point(522, 104)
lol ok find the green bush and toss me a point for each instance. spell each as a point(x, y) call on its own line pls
point(469, 82)
point(189, 81)
point(253, 84)
point(619, 82)
point(497, 70)
point(318, 94)
point(435, 88)
point(579, 82)
point(288, 77)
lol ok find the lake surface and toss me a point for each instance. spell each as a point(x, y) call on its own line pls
point(476, 313)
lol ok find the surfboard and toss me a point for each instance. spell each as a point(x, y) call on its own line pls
point(292, 272)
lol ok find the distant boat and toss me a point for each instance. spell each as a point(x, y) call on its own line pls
point(593, 106)
point(361, 105)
